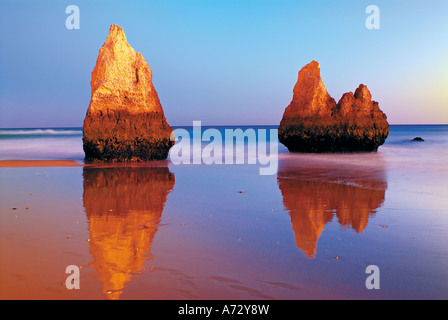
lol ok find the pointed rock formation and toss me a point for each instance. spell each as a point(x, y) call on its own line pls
point(125, 120)
point(313, 122)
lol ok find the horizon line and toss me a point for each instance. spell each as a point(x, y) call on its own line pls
point(232, 125)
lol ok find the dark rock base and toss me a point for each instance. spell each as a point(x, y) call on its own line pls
point(337, 138)
point(119, 136)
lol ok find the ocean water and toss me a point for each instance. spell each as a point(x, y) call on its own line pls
point(66, 143)
point(195, 231)
point(41, 144)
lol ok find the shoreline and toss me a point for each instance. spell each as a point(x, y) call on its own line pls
point(303, 232)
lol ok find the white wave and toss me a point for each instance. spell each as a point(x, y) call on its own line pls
point(49, 148)
point(40, 132)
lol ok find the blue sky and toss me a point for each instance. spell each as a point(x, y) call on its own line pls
point(226, 62)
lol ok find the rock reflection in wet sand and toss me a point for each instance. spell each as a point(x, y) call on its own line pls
point(316, 191)
point(123, 206)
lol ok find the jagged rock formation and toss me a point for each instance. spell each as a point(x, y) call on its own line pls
point(125, 120)
point(314, 122)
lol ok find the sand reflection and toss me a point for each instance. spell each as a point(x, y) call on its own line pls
point(316, 189)
point(124, 206)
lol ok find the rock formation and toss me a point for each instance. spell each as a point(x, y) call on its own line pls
point(125, 120)
point(314, 122)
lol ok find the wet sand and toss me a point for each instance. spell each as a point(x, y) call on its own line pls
point(38, 163)
point(159, 231)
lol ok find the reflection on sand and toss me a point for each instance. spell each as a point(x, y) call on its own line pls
point(124, 206)
point(315, 188)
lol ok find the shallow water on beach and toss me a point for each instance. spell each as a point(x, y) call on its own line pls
point(163, 231)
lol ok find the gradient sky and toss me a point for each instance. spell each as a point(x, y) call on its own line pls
point(225, 62)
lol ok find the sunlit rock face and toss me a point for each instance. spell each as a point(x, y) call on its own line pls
point(125, 120)
point(314, 122)
point(124, 207)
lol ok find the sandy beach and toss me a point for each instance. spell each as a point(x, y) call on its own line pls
point(155, 230)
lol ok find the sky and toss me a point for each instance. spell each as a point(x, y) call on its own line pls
point(229, 62)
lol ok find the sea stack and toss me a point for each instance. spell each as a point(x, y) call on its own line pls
point(314, 122)
point(125, 120)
